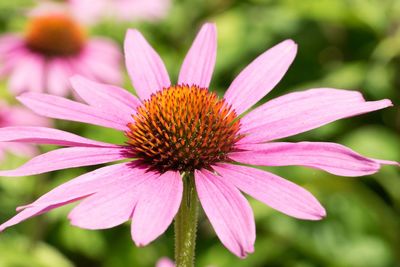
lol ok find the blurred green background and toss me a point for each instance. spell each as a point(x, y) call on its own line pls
point(351, 44)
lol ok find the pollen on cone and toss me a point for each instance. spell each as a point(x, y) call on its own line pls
point(183, 128)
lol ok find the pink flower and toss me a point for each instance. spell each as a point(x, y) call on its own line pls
point(54, 48)
point(91, 11)
point(179, 128)
point(165, 262)
point(17, 116)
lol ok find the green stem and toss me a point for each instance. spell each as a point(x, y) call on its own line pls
point(186, 224)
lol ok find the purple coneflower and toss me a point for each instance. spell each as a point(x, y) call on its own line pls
point(53, 48)
point(165, 262)
point(183, 139)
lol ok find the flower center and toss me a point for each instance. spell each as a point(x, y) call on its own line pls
point(54, 35)
point(183, 128)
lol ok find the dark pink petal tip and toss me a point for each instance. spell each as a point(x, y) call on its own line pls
point(330, 157)
point(387, 162)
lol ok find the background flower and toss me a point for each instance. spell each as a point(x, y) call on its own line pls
point(53, 48)
point(165, 262)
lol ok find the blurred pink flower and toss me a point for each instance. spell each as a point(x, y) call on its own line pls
point(165, 262)
point(91, 11)
point(17, 116)
point(53, 48)
point(173, 129)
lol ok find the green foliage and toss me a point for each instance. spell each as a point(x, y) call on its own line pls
point(352, 44)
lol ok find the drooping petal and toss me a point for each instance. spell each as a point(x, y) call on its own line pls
point(274, 191)
point(58, 73)
point(228, 211)
point(106, 47)
point(2, 152)
point(20, 149)
point(145, 67)
point(104, 68)
point(156, 207)
point(69, 157)
point(9, 42)
point(198, 66)
point(11, 55)
point(21, 116)
point(302, 111)
point(61, 108)
point(261, 76)
point(330, 157)
point(85, 185)
point(78, 68)
point(28, 75)
point(106, 97)
point(112, 205)
point(42, 135)
point(71, 191)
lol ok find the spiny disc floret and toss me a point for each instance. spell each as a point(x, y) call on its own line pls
point(183, 128)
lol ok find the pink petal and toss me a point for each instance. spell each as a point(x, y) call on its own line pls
point(386, 162)
point(274, 191)
point(85, 185)
point(117, 100)
point(157, 207)
point(12, 51)
point(26, 214)
point(2, 153)
point(9, 42)
point(19, 149)
point(21, 116)
point(330, 157)
point(78, 68)
point(302, 111)
point(261, 76)
point(103, 67)
point(106, 47)
point(228, 211)
point(71, 191)
point(61, 108)
point(145, 67)
point(69, 157)
point(112, 205)
point(58, 73)
point(28, 75)
point(42, 135)
point(198, 66)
